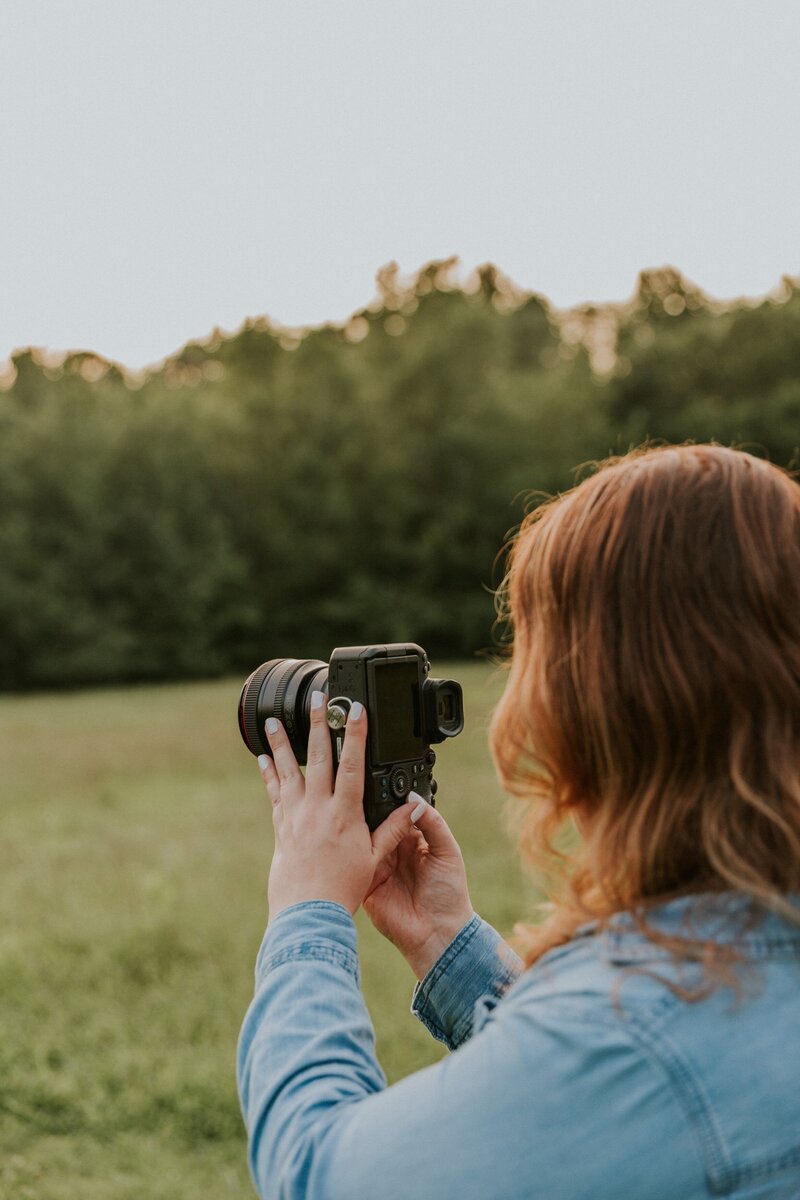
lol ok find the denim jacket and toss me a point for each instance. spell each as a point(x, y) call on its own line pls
point(582, 1078)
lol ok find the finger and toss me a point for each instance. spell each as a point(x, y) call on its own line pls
point(289, 775)
point(412, 848)
point(270, 777)
point(391, 832)
point(319, 771)
point(440, 840)
point(350, 774)
point(383, 871)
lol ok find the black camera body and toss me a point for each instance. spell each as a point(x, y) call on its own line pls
point(407, 713)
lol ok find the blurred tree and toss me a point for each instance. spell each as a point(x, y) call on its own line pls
point(689, 369)
point(279, 492)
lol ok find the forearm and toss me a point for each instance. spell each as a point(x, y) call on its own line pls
point(307, 1049)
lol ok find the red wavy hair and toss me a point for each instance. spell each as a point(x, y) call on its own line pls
point(654, 689)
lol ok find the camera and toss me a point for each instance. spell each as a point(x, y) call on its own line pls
point(407, 713)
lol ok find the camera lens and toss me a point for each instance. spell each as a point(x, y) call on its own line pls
point(281, 688)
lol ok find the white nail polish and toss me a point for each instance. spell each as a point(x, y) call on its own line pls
point(263, 760)
point(272, 725)
point(356, 710)
point(317, 699)
point(421, 805)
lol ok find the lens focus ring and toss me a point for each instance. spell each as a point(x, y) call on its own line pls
point(280, 693)
point(248, 708)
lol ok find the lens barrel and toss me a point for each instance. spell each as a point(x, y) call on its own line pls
point(281, 688)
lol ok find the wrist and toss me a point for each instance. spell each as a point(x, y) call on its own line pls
point(291, 898)
point(427, 953)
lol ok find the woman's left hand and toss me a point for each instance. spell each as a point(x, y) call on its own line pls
point(323, 847)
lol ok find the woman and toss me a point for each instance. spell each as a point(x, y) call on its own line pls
point(647, 1044)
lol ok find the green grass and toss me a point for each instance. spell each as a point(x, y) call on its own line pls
point(133, 864)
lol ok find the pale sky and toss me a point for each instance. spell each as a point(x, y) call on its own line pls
point(172, 165)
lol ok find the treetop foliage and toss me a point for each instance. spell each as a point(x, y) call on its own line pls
point(278, 492)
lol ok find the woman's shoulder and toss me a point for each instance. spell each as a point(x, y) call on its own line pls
point(731, 1059)
point(621, 961)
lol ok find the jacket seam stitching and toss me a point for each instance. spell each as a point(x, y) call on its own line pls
point(767, 1166)
point(314, 951)
point(721, 1173)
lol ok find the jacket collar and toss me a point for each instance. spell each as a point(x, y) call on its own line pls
point(729, 918)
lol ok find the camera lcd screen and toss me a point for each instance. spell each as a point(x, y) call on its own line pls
point(399, 728)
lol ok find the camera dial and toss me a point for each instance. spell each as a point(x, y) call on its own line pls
point(338, 708)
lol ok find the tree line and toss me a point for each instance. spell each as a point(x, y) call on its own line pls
point(278, 493)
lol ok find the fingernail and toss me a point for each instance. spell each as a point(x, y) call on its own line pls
point(356, 710)
point(263, 760)
point(317, 699)
point(272, 724)
point(421, 805)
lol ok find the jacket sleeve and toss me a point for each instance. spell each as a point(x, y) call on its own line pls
point(541, 1103)
point(307, 1044)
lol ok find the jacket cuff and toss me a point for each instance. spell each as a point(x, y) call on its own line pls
point(318, 929)
point(476, 967)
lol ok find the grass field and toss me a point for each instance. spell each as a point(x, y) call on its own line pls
point(133, 863)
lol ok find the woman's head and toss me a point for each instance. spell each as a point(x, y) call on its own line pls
point(654, 691)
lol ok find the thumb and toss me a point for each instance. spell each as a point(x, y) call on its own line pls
point(390, 833)
point(435, 829)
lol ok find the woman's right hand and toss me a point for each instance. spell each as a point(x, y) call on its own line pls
point(419, 898)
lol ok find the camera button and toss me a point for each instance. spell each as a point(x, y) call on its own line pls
point(434, 787)
point(430, 757)
point(400, 783)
